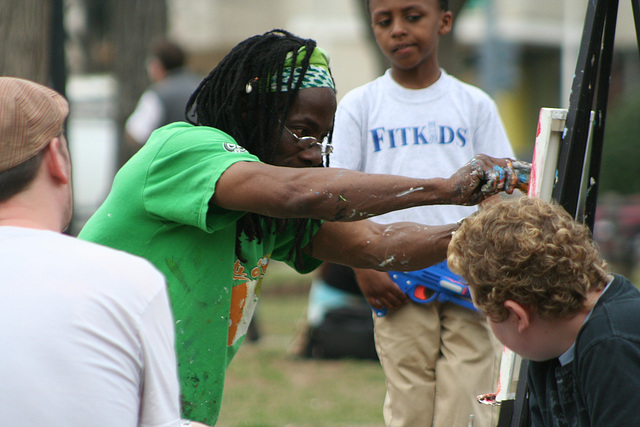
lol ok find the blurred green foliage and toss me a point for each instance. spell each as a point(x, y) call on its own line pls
point(620, 170)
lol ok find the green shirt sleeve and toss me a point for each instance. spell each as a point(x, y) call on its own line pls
point(183, 173)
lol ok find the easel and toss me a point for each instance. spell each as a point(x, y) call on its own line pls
point(576, 180)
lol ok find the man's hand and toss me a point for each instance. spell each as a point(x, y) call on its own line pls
point(379, 290)
point(484, 176)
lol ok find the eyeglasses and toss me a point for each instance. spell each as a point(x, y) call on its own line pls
point(310, 142)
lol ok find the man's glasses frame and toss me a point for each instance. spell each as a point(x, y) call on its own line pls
point(311, 141)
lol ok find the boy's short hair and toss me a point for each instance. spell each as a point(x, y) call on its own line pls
point(528, 251)
point(444, 4)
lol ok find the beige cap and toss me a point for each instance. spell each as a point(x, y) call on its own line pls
point(31, 115)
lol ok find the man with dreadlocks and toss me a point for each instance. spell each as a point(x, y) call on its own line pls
point(210, 202)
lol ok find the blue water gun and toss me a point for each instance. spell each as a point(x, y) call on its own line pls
point(446, 286)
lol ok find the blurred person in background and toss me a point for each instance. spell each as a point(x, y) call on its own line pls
point(338, 322)
point(164, 101)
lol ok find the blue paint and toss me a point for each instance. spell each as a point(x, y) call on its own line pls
point(500, 172)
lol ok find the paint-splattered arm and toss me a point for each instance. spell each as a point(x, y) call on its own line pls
point(401, 246)
point(334, 194)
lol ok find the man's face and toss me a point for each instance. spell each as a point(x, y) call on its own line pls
point(311, 114)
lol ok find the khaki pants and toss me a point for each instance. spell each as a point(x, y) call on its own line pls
point(437, 358)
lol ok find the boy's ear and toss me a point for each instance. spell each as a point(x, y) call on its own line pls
point(522, 315)
point(446, 23)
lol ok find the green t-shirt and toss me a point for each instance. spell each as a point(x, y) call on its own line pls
point(158, 208)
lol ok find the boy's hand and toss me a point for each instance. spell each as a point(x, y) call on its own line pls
point(484, 176)
point(379, 290)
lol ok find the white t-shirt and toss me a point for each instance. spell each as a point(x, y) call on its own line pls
point(86, 335)
point(382, 127)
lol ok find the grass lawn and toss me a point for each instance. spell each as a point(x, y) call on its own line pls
point(266, 387)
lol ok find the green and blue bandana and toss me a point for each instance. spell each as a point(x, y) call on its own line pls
point(318, 74)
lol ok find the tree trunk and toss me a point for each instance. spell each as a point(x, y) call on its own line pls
point(25, 31)
point(131, 26)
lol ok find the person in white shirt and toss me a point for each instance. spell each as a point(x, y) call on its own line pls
point(86, 332)
point(165, 100)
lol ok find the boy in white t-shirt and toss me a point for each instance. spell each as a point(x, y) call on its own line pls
point(418, 121)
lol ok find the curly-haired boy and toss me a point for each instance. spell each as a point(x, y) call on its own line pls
point(537, 275)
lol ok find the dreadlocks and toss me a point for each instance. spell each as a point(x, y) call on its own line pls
point(248, 96)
